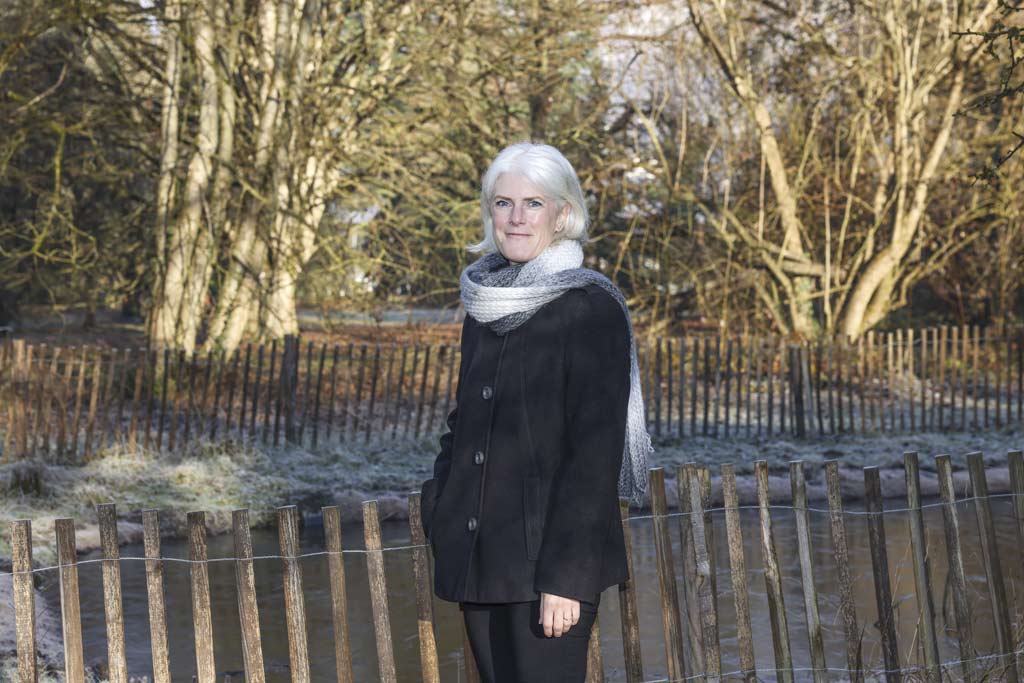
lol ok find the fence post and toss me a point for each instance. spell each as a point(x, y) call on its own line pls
point(688, 559)
point(880, 568)
point(666, 577)
point(773, 578)
point(155, 596)
point(705, 593)
point(70, 610)
point(796, 389)
point(798, 484)
point(248, 608)
point(840, 551)
point(112, 605)
point(24, 600)
point(628, 607)
point(922, 569)
point(202, 620)
point(424, 600)
point(957, 576)
point(294, 604)
point(378, 592)
point(738, 573)
point(993, 567)
point(339, 598)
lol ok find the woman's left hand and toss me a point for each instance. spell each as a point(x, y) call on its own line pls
point(558, 614)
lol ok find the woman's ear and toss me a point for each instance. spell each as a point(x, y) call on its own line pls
point(563, 217)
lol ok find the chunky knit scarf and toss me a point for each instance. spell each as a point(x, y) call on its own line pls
point(504, 296)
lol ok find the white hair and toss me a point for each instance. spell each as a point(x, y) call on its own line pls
point(547, 169)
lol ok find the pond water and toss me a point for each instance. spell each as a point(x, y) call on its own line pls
point(398, 564)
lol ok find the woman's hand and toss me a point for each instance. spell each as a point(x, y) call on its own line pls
point(558, 614)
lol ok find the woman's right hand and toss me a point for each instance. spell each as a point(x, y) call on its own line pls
point(558, 614)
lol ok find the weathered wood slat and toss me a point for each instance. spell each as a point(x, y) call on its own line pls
point(24, 600)
point(1015, 460)
point(957, 576)
point(798, 485)
point(70, 609)
point(334, 392)
point(773, 578)
point(94, 397)
point(229, 407)
point(669, 393)
point(357, 408)
point(76, 423)
point(257, 386)
point(316, 399)
point(339, 596)
point(112, 606)
point(284, 394)
point(294, 602)
point(880, 569)
point(595, 663)
point(922, 569)
point(306, 391)
point(693, 386)
point(373, 393)
point(692, 634)
point(378, 593)
point(398, 393)
point(199, 582)
point(155, 595)
point(666, 576)
point(136, 398)
point(738, 572)
point(1007, 670)
point(423, 389)
point(272, 399)
point(248, 607)
point(172, 422)
point(424, 594)
point(705, 587)
point(628, 612)
point(841, 553)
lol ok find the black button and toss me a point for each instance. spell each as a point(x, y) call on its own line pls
point(478, 457)
point(487, 392)
point(471, 524)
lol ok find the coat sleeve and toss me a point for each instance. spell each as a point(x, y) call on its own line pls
point(584, 491)
point(431, 489)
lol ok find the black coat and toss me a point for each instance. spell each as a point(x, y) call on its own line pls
point(524, 497)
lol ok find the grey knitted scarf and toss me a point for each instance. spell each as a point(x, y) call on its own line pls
point(504, 296)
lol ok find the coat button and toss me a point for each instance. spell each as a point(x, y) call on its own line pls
point(487, 392)
point(478, 457)
point(471, 524)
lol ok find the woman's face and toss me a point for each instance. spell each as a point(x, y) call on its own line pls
point(525, 221)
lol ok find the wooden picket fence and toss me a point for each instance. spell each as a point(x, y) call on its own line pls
point(690, 610)
point(69, 402)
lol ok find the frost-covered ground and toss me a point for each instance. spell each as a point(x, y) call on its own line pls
point(220, 477)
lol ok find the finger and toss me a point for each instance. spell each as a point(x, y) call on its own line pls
point(563, 622)
point(576, 616)
point(548, 618)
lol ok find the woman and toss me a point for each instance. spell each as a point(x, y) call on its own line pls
point(547, 433)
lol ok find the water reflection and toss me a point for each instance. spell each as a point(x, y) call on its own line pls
point(227, 644)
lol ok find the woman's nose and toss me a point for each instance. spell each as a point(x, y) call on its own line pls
point(516, 215)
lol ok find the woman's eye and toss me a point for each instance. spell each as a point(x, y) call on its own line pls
point(536, 203)
point(501, 203)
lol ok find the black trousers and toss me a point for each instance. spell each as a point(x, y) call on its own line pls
point(510, 646)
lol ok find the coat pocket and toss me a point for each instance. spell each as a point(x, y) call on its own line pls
point(533, 515)
point(428, 501)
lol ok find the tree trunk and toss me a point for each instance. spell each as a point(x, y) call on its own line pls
point(191, 246)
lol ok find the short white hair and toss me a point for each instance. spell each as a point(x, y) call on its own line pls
point(547, 169)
